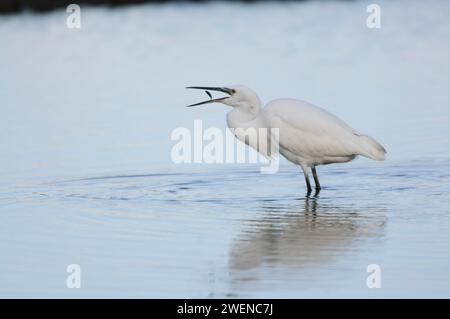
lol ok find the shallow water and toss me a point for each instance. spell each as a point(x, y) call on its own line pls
point(231, 232)
point(86, 175)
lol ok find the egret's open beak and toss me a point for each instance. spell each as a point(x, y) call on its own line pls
point(208, 88)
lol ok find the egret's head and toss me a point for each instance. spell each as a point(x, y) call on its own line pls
point(237, 96)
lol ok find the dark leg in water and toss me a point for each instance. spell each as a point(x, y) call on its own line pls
point(308, 184)
point(316, 178)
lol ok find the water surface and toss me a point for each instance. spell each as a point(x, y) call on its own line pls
point(87, 179)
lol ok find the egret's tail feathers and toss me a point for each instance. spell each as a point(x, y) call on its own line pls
point(371, 148)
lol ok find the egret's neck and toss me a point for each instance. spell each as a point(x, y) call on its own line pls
point(242, 117)
point(245, 111)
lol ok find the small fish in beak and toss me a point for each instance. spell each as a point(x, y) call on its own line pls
point(207, 89)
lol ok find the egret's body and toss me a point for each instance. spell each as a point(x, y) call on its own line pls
point(308, 135)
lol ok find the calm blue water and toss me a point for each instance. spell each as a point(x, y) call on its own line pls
point(86, 176)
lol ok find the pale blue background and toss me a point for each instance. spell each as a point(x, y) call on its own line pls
point(86, 175)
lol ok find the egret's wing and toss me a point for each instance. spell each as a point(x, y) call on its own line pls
point(309, 129)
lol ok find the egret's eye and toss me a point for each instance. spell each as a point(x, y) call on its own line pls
point(233, 91)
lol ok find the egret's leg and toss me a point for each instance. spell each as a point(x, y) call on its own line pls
point(305, 173)
point(316, 178)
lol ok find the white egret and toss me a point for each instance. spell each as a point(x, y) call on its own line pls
point(308, 135)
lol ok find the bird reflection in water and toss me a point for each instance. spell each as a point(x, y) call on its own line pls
point(309, 231)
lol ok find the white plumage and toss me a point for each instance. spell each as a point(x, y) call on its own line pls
point(308, 134)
